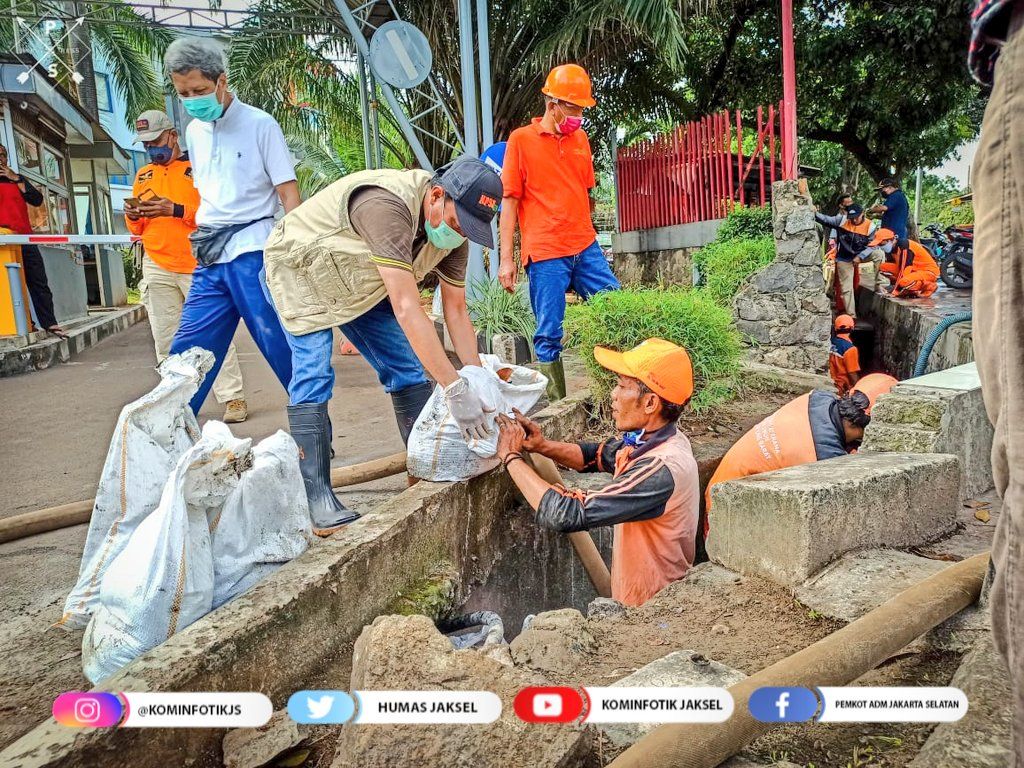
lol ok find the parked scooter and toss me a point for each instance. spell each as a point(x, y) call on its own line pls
point(956, 267)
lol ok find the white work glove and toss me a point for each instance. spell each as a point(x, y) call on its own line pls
point(468, 409)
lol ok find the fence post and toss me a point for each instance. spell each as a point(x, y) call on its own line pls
point(739, 146)
point(760, 151)
point(771, 142)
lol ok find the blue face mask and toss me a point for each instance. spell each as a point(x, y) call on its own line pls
point(442, 236)
point(206, 107)
point(159, 155)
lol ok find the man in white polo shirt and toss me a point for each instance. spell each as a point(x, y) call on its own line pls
point(242, 169)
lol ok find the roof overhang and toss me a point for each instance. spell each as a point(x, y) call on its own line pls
point(32, 85)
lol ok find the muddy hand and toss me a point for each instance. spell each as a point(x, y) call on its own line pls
point(510, 436)
point(534, 434)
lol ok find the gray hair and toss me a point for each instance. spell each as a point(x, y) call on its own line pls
point(188, 53)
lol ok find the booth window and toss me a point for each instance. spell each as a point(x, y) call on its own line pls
point(45, 168)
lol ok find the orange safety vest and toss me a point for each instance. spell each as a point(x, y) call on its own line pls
point(649, 554)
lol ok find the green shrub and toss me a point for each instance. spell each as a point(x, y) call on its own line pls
point(746, 222)
point(956, 216)
point(132, 268)
point(724, 265)
point(622, 319)
point(495, 310)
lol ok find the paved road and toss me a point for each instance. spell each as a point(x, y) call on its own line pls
point(56, 424)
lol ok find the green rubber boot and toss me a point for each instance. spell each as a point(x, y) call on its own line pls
point(556, 379)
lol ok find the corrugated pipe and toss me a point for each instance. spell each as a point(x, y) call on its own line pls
point(838, 659)
point(926, 350)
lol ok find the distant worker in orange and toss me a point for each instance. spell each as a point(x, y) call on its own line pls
point(910, 267)
point(844, 360)
point(162, 210)
point(547, 174)
point(817, 426)
point(654, 496)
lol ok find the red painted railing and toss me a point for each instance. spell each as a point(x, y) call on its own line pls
point(698, 171)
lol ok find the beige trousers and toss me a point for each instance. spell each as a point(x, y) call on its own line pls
point(163, 293)
point(845, 271)
point(998, 330)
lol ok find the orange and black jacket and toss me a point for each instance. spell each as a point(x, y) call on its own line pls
point(166, 238)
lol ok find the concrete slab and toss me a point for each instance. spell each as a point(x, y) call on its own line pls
point(787, 525)
point(981, 739)
point(666, 238)
point(859, 582)
point(678, 669)
point(941, 412)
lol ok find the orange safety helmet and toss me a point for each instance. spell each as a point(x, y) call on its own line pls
point(569, 82)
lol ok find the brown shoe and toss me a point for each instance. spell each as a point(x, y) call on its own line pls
point(236, 412)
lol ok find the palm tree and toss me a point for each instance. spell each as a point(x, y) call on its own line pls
point(131, 44)
point(632, 48)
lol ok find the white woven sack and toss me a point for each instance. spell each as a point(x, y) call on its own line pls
point(151, 435)
point(437, 450)
point(264, 522)
point(162, 580)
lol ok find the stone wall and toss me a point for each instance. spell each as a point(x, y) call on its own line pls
point(655, 268)
point(782, 309)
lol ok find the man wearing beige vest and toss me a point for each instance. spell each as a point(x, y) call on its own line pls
point(353, 256)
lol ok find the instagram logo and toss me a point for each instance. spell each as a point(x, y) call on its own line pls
point(87, 710)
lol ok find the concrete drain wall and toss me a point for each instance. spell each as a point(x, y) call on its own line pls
point(902, 325)
point(284, 631)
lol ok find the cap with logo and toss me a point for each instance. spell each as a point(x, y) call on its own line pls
point(853, 211)
point(888, 183)
point(476, 191)
point(663, 366)
point(845, 323)
point(151, 124)
point(881, 236)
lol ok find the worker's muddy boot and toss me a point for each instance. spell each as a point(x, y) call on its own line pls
point(556, 379)
point(311, 429)
point(408, 403)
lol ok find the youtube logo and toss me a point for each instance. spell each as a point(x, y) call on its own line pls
point(540, 704)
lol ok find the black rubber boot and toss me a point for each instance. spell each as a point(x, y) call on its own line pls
point(311, 429)
point(408, 404)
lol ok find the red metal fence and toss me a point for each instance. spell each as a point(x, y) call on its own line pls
point(698, 171)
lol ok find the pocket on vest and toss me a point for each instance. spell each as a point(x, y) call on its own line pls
point(292, 286)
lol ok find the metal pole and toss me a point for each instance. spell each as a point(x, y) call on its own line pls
point(475, 272)
point(17, 303)
point(917, 195)
point(364, 108)
point(378, 158)
point(483, 34)
point(789, 154)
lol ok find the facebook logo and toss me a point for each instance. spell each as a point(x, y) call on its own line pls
point(783, 705)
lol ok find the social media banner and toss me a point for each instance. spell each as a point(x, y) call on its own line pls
point(323, 707)
point(658, 705)
point(857, 704)
point(196, 710)
point(427, 707)
point(548, 704)
point(783, 705)
point(85, 709)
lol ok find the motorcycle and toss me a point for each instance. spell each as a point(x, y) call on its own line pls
point(956, 266)
point(937, 241)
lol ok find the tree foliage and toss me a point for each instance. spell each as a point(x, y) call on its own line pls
point(887, 82)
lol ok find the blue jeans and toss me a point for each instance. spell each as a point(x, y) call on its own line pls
point(379, 339)
point(220, 295)
point(587, 272)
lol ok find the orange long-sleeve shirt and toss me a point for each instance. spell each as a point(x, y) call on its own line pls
point(166, 238)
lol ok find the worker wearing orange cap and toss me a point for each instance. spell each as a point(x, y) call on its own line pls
point(654, 497)
point(909, 266)
point(843, 361)
point(547, 174)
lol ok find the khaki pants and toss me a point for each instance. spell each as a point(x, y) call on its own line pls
point(998, 330)
point(845, 269)
point(164, 293)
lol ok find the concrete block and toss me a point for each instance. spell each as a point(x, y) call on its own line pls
point(859, 582)
point(511, 348)
point(787, 525)
point(679, 669)
point(941, 412)
point(981, 739)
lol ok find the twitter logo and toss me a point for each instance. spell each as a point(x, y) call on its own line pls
point(321, 707)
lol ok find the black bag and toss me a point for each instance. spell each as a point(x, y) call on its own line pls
point(208, 243)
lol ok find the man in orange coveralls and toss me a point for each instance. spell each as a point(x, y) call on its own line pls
point(909, 266)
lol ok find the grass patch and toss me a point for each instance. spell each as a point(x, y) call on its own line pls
point(748, 222)
point(134, 296)
point(622, 319)
point(725, 265)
